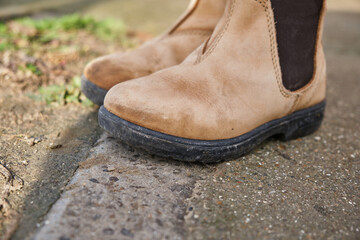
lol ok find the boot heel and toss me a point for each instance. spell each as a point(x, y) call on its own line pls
point(303, 124)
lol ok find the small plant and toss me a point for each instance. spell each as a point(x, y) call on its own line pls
point(108, 29)
point(5, 45)
point(33, 69)
point(62, 94)
point(42, 31)
point(4, 38)
point(59, 43)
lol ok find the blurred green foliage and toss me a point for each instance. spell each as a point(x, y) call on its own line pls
point(36, 35)
point(45, 30)
point(33, 69)
point(62, 94)
point(108, 29)
point(4, 41)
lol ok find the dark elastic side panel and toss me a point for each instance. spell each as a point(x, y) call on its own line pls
point(296, 26)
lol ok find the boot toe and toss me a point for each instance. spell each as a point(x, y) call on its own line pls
point(127, 101)
point(105, 72)
point(158, 102)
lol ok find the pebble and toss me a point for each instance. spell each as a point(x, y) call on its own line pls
point(32, 141)
point(55, 145)
point(108, 231)
point(111, 169)
point(94, 180)
point(127, 232)
point(114, 179)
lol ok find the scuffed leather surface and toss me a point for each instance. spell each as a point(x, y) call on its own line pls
point(226, 88)
point(165, 51)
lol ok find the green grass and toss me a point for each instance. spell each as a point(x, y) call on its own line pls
point(62, 94)
point(5, 45)
point(108, 29)
point(33, 69)
point(33, 35)
point(41, 31)
point(5, 38)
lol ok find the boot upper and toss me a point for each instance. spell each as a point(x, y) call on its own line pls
point(230, 85)
point(168, 50)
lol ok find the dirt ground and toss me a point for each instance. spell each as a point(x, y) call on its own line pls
point(44, 134)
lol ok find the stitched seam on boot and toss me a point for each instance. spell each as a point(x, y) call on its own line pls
point(313, 94)
point(220, 35)
point(274, 50)
point(272, 35)
point(296, 102)
point(191, 32)
point(313, 87)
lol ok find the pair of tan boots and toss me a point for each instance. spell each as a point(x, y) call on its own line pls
point(208, 90)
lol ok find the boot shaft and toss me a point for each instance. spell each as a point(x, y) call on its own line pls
point(201, 15)
point(296, 39)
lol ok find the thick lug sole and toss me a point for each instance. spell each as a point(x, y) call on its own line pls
point(94, 93)
point(298, 124)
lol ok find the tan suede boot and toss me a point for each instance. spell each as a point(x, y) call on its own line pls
point(165, 51)
point(224, 99)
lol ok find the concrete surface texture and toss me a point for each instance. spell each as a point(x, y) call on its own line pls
point(302, 189)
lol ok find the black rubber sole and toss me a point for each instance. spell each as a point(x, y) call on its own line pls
point(94, 93)
point(293, 126)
